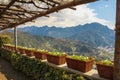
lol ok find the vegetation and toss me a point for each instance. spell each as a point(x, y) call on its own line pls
point(61, 45)
point(57, 53)
point(42, 50)
point(30, 48)
point(107, 62)
point(81, 58)
point(5, 39)
point(53, 44)
point(39, 70)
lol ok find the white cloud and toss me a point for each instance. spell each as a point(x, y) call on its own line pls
point(106, 6)
point(68, 18)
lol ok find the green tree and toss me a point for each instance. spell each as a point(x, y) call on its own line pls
point(5, 39)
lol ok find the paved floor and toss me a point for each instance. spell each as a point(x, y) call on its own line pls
point(8, 73)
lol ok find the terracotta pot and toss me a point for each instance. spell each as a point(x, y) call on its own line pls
point(12, 48)
point(18, 49)
point(105, 71)
point(29, 52)
point(58, 60)
point(80, 65)
point(4, 47)
point(40, 55)
point(21, 50)
point(8, 48)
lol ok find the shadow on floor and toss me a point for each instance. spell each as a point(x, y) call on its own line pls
point(8, 73)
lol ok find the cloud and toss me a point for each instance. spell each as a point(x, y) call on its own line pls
point(68, 18)
point(106, 6)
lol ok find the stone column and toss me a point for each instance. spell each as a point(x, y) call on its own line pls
point(117, 44)
point(15, 38)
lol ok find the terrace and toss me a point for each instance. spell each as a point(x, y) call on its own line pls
point(92, 74)
point(16, 12)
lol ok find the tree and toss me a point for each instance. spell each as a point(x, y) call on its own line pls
point(5, 39)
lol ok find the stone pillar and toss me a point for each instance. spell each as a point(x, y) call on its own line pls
point(15, 38)
point(117, 44)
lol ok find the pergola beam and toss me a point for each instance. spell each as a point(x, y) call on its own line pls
point(10, 17)
point(54, 9)
point(14, 10)
point(3, 21)
point(8, 6)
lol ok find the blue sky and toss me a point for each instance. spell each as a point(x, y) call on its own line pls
point(105, 9)
point(102, 11)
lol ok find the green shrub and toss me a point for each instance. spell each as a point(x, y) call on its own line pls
point(107, 62)
point(57, 53)
point(5, 39)
point(22, 47)
point(5, 54)
point(42, 50)
point(81, 58)
point(39, 70)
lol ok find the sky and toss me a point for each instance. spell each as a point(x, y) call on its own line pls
point(102, 11)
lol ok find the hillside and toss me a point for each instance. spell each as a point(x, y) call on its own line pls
point(54, 44)
point(95, 34)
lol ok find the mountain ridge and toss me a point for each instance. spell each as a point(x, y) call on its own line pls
point(54, 44)
point(94, 33)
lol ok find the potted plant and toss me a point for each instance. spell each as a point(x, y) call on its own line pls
point(21, 49)
point(12, 48)
point(57, 58)
point(8, 47)
point(4, 46)
point(30, 51)
point(80, 63)
point(41, 54)
point(105, 69)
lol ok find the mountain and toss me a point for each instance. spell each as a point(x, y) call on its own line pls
point(94, 34)
point(54, 44)
point(65, 45)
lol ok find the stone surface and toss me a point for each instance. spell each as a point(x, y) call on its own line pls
point(93, 73)
point(7, 72)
